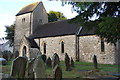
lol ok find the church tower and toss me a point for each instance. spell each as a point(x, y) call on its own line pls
point(27, 19)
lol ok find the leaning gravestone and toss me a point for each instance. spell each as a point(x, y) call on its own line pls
point(55, 60)
point(30, 73)
point(43, 57)
point(72, 62)
point(19, 67)
point(39, 68)
point(57, 73)
point(95, 62)
point(67, 62)
point(49, 62)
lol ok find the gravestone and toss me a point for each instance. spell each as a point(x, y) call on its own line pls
point(95, 62)
point(39, 68)
point(49, 62)
point(55, 60)
point(67, 62)
point(72, 62)
point(19, 67)
point(30, 73)
point(44, 57)
point(57, 73)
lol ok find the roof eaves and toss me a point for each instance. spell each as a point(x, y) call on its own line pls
point(24, 13)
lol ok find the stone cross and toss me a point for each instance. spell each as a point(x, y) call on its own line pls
point(57, 73)
point(95, 62)
point(55, 60)
point(19, 67)
point(39, 68)
point(67, 62)
point(72, 62)
point(43, 57)
point(49, 62)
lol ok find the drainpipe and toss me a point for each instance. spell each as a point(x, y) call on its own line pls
point(77, 48)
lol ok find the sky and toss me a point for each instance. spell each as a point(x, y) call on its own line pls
point(9, 8)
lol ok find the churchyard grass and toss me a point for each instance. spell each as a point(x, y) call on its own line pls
point(77, 71)
point(7, 68)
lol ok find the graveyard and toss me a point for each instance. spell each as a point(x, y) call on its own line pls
point(46, 67)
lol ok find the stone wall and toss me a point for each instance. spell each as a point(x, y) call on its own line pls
point(30, 52)
point(39, 16)
point(23, 44)
point(21, 28)
point(91, 45)
point(53, 46)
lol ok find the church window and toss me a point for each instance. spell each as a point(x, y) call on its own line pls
point(24, 51)
point(44, 48)
point(62, 47)
point(102, 45)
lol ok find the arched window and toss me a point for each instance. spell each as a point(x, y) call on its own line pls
point(44, 48)
point(24, 51)
point(62, 47)
point(102, 45)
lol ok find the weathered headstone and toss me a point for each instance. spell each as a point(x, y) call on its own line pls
point(55, 60)
point(49, 62)
point(57, 73)
point(67, 62)
point(43, 57)
point(30, 73)
point(19, 67)
point(95, 62)
point(39, 68)
point(72, 62)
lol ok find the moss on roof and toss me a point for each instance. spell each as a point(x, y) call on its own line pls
point(28, 8)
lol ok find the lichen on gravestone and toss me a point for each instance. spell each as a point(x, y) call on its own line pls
point(39, 68)
point(57, 73)
point(19, 67)
point(55, 60)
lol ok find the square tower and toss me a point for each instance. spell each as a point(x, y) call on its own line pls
point(27, 19)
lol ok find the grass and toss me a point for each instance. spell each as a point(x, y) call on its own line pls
point(79, 70)
point(7, 68)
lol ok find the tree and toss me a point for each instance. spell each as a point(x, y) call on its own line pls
point(10, 34)
point(106, 18)
point(55, 16)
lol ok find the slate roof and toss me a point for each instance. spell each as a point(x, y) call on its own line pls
point(60, 28)
point(28, 8)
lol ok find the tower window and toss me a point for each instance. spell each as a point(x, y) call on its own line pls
point(23, 19)
point(40, 20)
point(62, 47)
point(102, 45)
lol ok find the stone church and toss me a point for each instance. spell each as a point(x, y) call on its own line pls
point(33, 34)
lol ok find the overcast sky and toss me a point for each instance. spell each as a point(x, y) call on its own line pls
point(9, 8)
